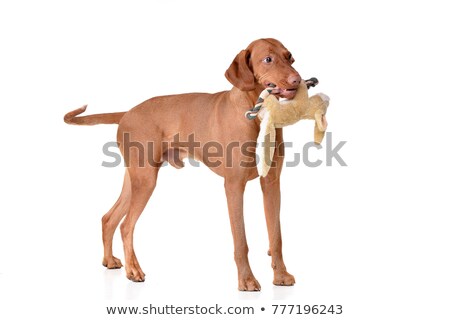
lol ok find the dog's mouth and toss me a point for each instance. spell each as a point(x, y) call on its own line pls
point(287, 93)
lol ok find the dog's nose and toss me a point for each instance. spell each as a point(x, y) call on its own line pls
point(294, 79)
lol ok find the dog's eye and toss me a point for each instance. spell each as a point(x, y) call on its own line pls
point(291, 58)
point(267, 60)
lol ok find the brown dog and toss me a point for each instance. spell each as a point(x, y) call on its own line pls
point(170, 128)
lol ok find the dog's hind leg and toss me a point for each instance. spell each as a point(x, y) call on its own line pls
point(143, 182)
point(111, 220)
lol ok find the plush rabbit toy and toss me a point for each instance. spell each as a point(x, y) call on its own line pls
point(277, 114)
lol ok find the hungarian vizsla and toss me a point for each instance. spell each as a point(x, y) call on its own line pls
point(211, 128)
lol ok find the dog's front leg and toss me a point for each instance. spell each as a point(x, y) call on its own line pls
point(270, 185)
point(235, 198)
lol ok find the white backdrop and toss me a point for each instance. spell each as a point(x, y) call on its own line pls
point(372, 236)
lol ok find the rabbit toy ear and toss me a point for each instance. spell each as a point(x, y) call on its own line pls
point(320, 127)
point(265, 144)
point(321, 121)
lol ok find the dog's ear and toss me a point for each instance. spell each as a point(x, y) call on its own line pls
point(239, 73)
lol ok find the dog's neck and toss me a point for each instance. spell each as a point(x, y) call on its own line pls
point(245, 100)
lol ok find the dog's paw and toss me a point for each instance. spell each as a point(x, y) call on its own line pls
point(283, 278)
point(112, 263)
point(249, 284)
point(135, 274)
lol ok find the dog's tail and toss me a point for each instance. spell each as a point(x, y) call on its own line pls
point(102, 118)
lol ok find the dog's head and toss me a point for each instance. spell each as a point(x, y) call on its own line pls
point(268, 63)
